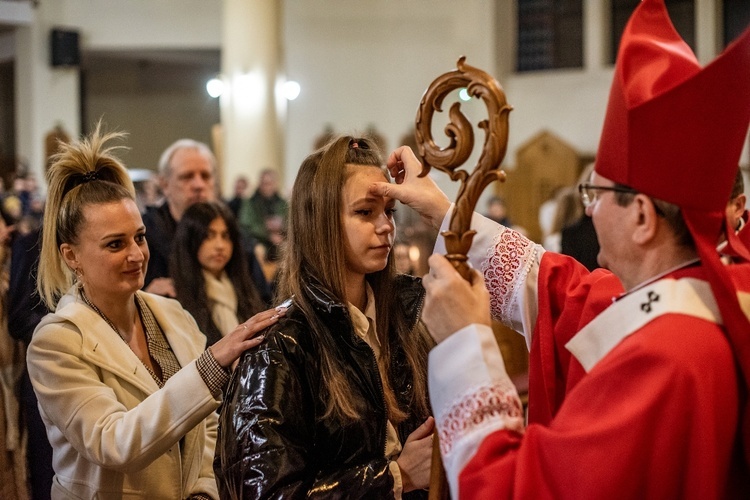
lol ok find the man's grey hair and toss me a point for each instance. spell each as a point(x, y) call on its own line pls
point(165, 162)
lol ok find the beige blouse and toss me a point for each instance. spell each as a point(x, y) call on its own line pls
point(364, 326)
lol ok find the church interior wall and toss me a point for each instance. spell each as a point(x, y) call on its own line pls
point(360, 66)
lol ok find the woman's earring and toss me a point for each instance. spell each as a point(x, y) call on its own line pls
point(79, 274)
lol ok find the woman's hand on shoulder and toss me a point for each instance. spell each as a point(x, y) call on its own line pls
point(243, 337)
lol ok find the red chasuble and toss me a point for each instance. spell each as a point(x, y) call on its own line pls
point(631, 395)
point(656, 417)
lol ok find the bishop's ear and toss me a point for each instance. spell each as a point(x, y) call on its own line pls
point(647, 219)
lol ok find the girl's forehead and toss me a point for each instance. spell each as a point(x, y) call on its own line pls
point(362, 172)
point(360, 179)
point(358, 183)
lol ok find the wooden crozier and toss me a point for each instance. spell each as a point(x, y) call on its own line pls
point(459, 236)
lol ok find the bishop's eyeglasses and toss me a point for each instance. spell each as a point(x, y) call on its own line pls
point(588, 192)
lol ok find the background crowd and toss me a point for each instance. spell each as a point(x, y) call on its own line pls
point(181, 208)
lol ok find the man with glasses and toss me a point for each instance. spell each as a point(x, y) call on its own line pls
point(638, 372)
point(588, 192)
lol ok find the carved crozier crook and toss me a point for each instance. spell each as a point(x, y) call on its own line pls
point(461, 134)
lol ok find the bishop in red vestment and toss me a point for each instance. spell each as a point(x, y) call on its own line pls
point(638, 372)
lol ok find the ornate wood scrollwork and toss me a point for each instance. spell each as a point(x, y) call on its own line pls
point(461, 133)
point(459, 237)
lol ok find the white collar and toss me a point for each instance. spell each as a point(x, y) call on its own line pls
point(687, 296)
point(657, 277)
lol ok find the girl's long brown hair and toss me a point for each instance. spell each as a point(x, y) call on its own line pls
point(315, 248)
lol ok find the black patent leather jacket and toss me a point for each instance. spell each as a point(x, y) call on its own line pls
point(273, 441)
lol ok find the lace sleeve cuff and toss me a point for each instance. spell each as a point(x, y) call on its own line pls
point(510, 264)
point(471, 396)
point(211, 372)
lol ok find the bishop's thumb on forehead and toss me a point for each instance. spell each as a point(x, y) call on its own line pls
point(380, 188)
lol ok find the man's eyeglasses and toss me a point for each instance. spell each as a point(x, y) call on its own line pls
point(588, 192)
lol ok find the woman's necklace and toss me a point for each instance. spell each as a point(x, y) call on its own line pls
point(88, 302)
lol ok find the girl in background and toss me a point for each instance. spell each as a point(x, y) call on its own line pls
point(210, 273)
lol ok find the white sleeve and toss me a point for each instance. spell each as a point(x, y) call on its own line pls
point(471, 396)
point(510, 264)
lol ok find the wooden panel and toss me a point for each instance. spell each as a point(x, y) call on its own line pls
point(543, 165)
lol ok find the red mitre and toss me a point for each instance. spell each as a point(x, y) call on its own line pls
point(672, 130)
point(675, 131)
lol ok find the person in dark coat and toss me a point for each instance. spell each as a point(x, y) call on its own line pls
point(25, 311)
point(579, 241)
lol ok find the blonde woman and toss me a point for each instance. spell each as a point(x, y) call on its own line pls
point(126, 390)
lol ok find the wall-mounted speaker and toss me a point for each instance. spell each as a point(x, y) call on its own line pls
point(64, 49)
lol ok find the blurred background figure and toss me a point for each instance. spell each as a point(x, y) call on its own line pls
point(187, 171)
point(567, 209)
point(25, 311)
point(241, 188)
point(12, 367)
point(23, 204)
point(186, 174)
point(578, 238)
point(147, 191)
point(737, 217)
point(498, 211)
point(402, 258)
point(736, 212)
point(210, 271)
point(547, 211)
point(264, 206)
point(11, 205)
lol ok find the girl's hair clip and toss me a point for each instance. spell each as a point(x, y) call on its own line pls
point(355, 144)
